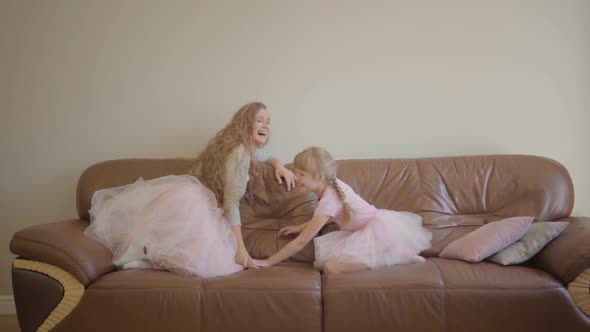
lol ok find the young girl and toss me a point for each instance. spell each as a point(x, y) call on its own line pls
point(174, 222)
point(369, 237)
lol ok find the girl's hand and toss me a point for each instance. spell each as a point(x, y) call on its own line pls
point(260, 263)
point(295, 229)
point(282, 172)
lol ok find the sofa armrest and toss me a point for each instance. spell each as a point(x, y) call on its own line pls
point(64, 245)
point(568, 255)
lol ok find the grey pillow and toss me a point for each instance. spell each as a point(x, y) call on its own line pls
point(537, 237)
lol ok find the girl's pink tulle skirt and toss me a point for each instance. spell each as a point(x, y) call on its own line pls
point(389, 238)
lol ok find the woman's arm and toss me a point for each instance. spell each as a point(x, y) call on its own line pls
point(312, 227)
point(242, 256)
point(236, 179)
point(280, 170)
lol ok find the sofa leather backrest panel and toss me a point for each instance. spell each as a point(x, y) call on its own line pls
point(499, 185)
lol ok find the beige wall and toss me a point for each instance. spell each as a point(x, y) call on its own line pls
point(85, 81)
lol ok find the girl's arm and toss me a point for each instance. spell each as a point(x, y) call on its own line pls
point(294, 229)
point(312, 227)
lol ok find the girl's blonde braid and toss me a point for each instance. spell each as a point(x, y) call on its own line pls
point(347, 209)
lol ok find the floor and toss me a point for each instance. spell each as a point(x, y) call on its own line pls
point(8, 323)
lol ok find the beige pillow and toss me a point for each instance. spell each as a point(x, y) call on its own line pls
point(537, 237)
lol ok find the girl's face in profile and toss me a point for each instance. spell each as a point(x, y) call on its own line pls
point(307, 180)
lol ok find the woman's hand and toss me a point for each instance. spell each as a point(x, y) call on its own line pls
point(243, 258)
point(295, 229)
point(282, 172)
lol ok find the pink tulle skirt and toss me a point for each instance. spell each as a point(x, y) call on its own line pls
point(175, 220)
point(389, 238)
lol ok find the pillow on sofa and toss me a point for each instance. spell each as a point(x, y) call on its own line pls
point(537, 237)
point(488, 239)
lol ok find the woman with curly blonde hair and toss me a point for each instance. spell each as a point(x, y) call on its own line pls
point(189, 224)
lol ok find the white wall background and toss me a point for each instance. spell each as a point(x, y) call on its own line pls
point(85, 81)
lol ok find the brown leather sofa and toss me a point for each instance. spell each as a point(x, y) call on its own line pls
point(64, 281)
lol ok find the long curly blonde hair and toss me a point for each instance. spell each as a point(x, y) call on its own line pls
point(209, 167)
point(317, 160)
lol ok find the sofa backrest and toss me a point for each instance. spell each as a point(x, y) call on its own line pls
point(503, 185)
point(449, 191)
